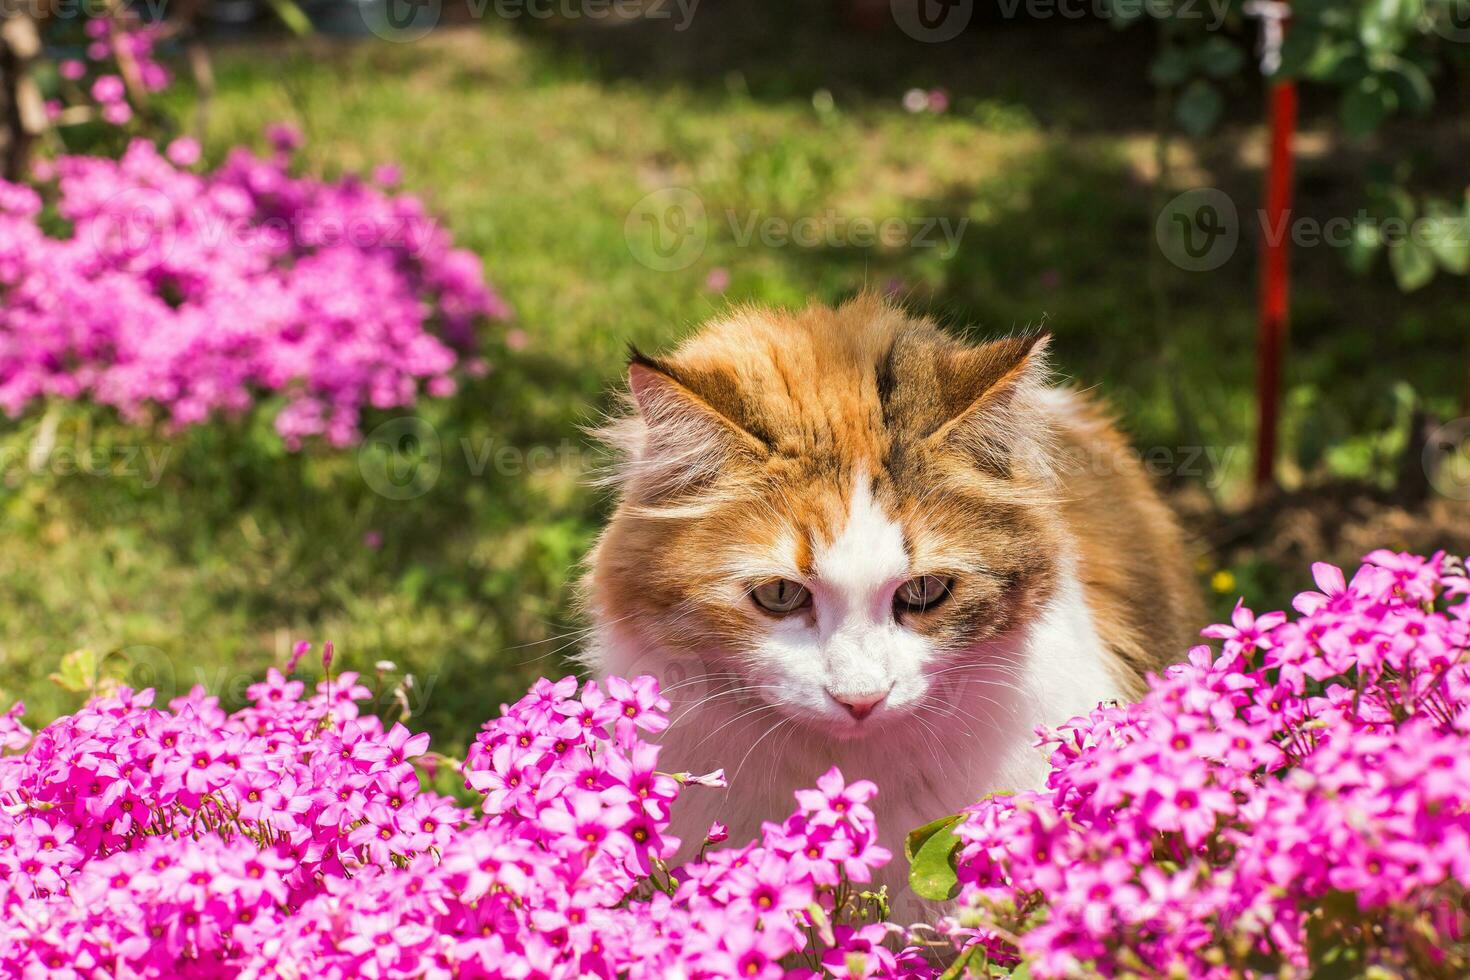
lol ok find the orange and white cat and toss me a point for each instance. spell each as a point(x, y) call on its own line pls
point(845, 538)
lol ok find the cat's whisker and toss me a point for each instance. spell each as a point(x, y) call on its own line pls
point(702, 677)
point(779, 753)
point(744, 714)
point(575, 636)
point(950, 708)
point(779, 723)
point(711, 698)
point(956, 711)
point(932, 743)
point(987, 677)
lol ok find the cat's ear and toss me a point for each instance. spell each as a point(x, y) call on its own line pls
point(677, 439)
point(990, 392)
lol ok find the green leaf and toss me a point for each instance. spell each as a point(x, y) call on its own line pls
point(1411, 85)
point(1218, 58)
point(1447, 236)
point(973, 956)
point(1385, 25)
point(292, 16)
point(1412, 264)
point(1400, 204)
point(1349, 69)
point(1366, 105)
point(931, 851)
point(1311, 52)
point(1364, 247)
point(821, 923)
point(1170, 68)
point(79, 673)
point(1338, 963)
point(1199, 107)
point(1453, 253)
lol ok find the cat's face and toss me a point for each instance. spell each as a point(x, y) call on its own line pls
point(832, 520)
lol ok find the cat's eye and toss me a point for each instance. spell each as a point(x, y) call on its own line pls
point(922, 593)
point(781, 596)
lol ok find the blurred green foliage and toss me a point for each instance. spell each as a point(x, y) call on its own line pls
point(1380, 60)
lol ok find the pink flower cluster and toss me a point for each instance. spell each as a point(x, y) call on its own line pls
point(1302, 798)
point(117, 46)
point(604, 815)
point(294, 837)
point(191, 295)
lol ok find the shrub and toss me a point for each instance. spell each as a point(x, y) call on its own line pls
point(193, 295)
point(1300, 801)
point(293, 837)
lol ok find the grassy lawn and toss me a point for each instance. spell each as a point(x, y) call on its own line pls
point(535, 148)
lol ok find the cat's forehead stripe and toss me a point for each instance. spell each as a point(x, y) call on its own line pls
point(868, 549)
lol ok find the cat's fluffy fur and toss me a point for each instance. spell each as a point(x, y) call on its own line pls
point(850, 450)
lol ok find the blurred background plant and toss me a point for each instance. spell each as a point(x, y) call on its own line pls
point(448, 539)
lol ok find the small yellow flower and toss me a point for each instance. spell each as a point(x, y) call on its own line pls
point(1223, 581)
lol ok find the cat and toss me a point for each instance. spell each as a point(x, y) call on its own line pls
point(843, 537)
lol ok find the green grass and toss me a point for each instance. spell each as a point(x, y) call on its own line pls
point(534, 151)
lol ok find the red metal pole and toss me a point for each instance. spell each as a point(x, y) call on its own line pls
point(1275, 281)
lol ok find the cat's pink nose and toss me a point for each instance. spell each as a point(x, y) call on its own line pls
point(859, 705)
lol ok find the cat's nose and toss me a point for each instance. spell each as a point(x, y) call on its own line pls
point(859, 705)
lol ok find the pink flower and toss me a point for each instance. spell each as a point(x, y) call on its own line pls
point(1246, 633)
point(834, 800)
point(396, 748)
point(13, 734)
point(301, 649)
point(184, 151)
point(377, 834)
point(108, 89)
point(117, 113)
point(284, 137)
point(715, 780)
point(637, 705)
